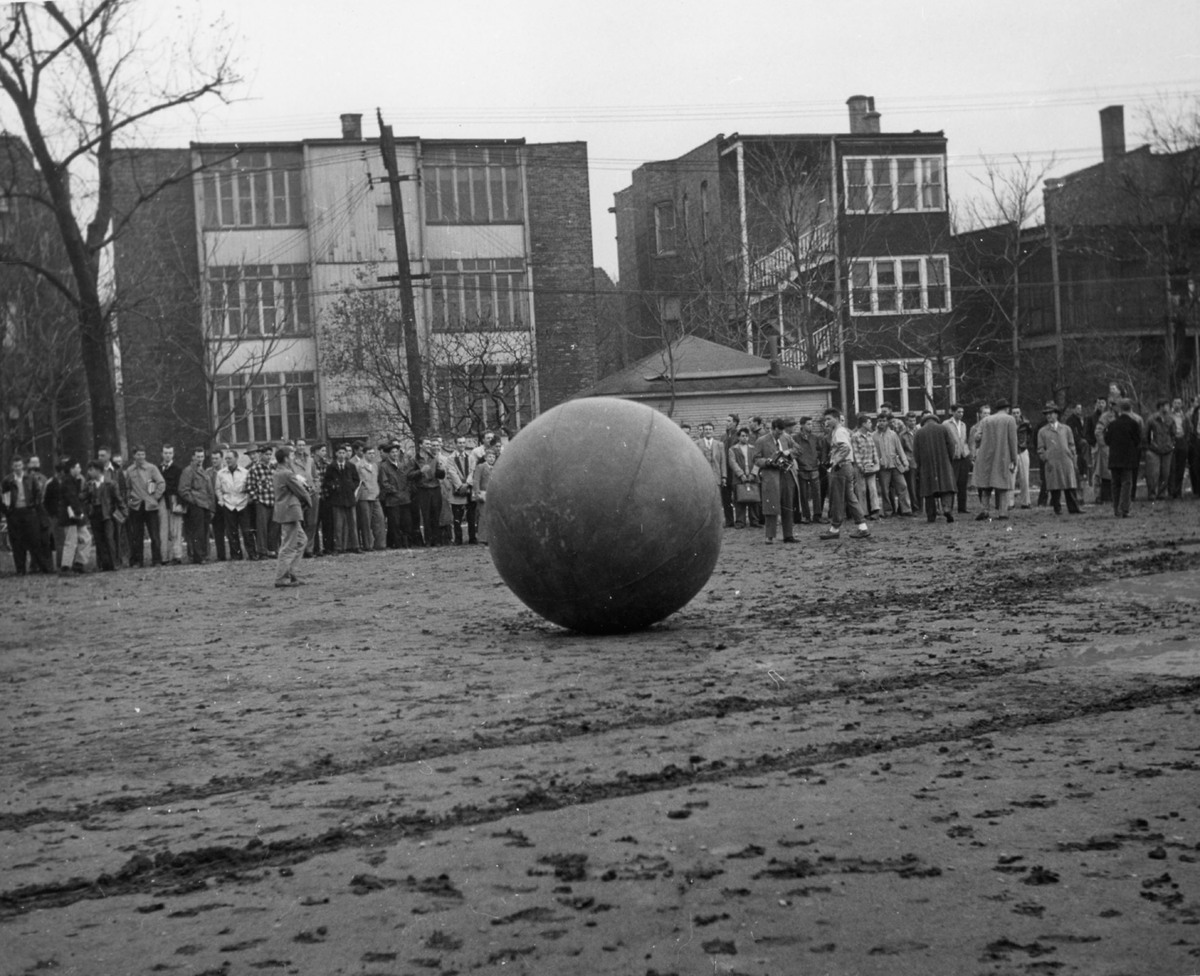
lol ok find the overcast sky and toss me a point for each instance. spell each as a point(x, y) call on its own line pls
point(650, 79)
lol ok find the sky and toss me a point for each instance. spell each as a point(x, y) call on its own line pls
point(640, 80)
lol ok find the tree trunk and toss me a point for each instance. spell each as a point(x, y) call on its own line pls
point(101, 391)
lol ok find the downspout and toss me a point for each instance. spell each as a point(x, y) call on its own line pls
point(1059, 368)
point(843, 387)
point(741, 178)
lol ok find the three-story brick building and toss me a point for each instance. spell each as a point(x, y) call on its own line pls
point(828, 252)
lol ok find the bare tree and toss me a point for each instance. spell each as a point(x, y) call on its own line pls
point(78, 83)
point(997, 251)
point(475, 377)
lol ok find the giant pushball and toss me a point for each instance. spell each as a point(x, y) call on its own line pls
point(603, 516)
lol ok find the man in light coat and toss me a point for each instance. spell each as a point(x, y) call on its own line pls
point(1056, 448)
point(292, 496)
point(995, 460)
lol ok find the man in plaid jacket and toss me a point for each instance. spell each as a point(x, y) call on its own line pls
point(260, 483)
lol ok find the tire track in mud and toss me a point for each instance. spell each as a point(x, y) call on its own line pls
point(558, 733)
point(176, 873)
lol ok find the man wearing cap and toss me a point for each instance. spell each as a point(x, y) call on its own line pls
point(291, 496)
point(933, 445)
point(260, 483)
point(995, 460)
point(961, 456)
point(1056, 448)
point(774, 463)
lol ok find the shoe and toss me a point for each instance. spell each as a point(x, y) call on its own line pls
point(296, 580)
point(271, 554)
point(949, 517)
point(830, 534)
point(860, 534)
point(176, 562)
point(982, 517)
point(791, 540)
point(307, 555)
point(1025, 506)
point(770, 542)
point(65, 571)
point(285, 584)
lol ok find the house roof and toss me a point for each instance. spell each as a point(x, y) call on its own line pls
point(702, 367)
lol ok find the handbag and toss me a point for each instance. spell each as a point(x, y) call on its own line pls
point(746, 492)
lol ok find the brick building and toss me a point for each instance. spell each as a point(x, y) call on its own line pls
point(827, 252)
point(230, 280)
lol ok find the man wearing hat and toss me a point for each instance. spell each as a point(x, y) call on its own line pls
point(260, 483)
point(1056, 448)
point(996, 459)
point(933, 445)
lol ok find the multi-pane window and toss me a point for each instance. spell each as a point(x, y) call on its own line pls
point(475, 397)
point(253, 189)
point(886, 286)
point(905, 384)
point(265, 407)
point(479, 295)
point(473, 185)
point(664, 228)
point(887, 184)
point(251, 300)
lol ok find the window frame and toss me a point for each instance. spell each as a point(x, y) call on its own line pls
point(662, 247)
point(894, 284)
point(248, 189)
point(266, 406)
point(450, 173)
point(231, 311)
point(502, 280)
point(906, 391)
point(929, 173)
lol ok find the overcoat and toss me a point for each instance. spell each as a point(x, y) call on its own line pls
point(997, 451)
point(772, 477)
point(1123, 437)
point(1056, 448)
point(934, 445)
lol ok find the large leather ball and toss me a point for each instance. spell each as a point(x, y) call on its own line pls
point(603, 516)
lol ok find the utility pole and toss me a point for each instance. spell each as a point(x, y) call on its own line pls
point(418, 418)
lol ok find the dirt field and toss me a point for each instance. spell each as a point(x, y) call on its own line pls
point(953, 749)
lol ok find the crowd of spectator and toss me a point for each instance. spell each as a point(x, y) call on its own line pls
point(228, 505)
point(807, 470)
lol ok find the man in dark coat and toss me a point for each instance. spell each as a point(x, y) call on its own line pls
point(341, 491)
point(396, 493)
point(21, 495)
point(1124, 439)
point(934, 445)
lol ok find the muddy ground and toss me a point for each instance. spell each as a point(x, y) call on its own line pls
point(967, 748)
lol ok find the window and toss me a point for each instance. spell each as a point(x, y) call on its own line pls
point(252, 300)
point(905, 384)
point(269, 406)
point(473, 185)
point(670, 308)
point(474, 397)
point(887, 184)
point(253, 189)
point(887, 286)
point(479, 295)
point(664, 228)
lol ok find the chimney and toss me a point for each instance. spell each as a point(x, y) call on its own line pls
point(1112, 131)
point(864, 120)
point(352, 127)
